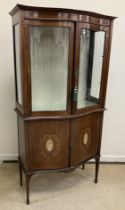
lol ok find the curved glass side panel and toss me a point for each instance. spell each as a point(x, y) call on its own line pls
point(17, 64)
point(90, 67)
point(49, 48)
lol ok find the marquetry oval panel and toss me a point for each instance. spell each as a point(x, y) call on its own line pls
point(49, 145)
point(85, 139)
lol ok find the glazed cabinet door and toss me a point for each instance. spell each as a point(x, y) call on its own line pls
point(50, 57)
point(85, 137)
point(90, 73)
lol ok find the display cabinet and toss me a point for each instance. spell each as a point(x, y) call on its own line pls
point(61, 60)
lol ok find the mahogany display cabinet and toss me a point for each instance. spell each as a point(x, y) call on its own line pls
point(61, 60)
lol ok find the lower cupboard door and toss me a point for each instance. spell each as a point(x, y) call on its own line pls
point(84, 138)
point(48, 144)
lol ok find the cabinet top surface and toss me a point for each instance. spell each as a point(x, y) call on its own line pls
point(63, 10)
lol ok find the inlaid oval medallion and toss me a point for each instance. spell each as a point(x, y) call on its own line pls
point(85, 138)
point(49, 145)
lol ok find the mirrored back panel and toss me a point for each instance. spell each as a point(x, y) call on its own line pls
point(90, 67)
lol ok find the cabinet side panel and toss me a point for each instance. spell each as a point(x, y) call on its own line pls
point(21, 140)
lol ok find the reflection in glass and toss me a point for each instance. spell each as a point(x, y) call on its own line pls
point(90, 69)
point(49, 67)
point(17, 61)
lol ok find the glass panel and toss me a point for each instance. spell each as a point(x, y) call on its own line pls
point(90, 70)
point(18, 68)
point(49, 67)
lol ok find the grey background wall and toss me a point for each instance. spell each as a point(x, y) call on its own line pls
point(113, 140)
